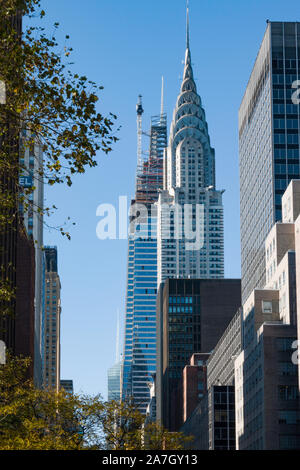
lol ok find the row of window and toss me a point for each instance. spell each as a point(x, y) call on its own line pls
point(281, 94)
point(283, 139)
point(280, 79)
point(286, 123)
point(180, 300)
point(283, 169)
point(181, 309)
point(288, 392)
point(287, 63)
point(285, 109)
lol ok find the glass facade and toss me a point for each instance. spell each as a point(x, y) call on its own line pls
point(268, 144)
point(140, 323)
point(184, 330)
point(114, 382)
point(140, 332)
point(221, 411)
point(67, 385)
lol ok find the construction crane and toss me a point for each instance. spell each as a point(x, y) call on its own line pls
point(139, 112)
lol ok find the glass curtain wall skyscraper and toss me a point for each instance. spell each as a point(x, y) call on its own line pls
point(114, 382)
point(268, 144)
point(140, 323)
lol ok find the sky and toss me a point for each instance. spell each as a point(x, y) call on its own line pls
point(127, 46)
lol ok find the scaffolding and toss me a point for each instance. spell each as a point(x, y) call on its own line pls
point(150, 170)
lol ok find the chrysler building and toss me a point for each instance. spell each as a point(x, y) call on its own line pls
point(190, 211)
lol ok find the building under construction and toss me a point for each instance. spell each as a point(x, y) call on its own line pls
point(140, 323)
point(149, 176)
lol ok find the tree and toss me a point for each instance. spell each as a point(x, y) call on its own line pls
point(44, 103)
point(43, 97)
point(125, 428)
point(32, 418)
point(37, 419)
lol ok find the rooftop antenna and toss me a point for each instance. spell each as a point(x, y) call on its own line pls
point(139, 112)
point(162, 97)
point(187, 25)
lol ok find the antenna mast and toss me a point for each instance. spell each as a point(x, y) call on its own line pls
point(187, 26)
point(162, 97)
point(139, 112)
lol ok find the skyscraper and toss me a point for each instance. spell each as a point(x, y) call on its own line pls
point(52, 321)
point(9, 225)
point(190, 209)
point(114, 382)
point(67, 385)
point(114, 373)
point(192, 314)
point(268, 144)
point(182, 184)
point(31, 162)
point(140, 322)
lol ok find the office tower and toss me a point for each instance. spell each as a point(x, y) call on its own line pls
point(140, 322)
point(220, 364)
point(18, 264)
point(266, 382)
point(297, 248)
point(212, 422)
point(52, 320)
point(114, 373)
point(204, 423)
point(268, 144)
point(192, 315)
point(31, 162)
point(9, 230)
point(114, 382)
point(266, 371)
point(24, 307)
point(67, 385)
point(190, 209)
point(17, 260)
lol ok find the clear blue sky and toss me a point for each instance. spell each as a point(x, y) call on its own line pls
point(127, 46)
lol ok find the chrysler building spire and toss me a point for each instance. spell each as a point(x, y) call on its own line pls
point(189, 181)
point(187, 26)
point(188, 71)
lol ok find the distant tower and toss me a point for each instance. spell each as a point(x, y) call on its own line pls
point(114, 373)
point(52, 321)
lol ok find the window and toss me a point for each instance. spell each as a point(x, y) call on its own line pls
point(288, 392)
point(284, 344)
point(289, 417)
point(266, 306)
point(287, 368)
point(289, 442)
